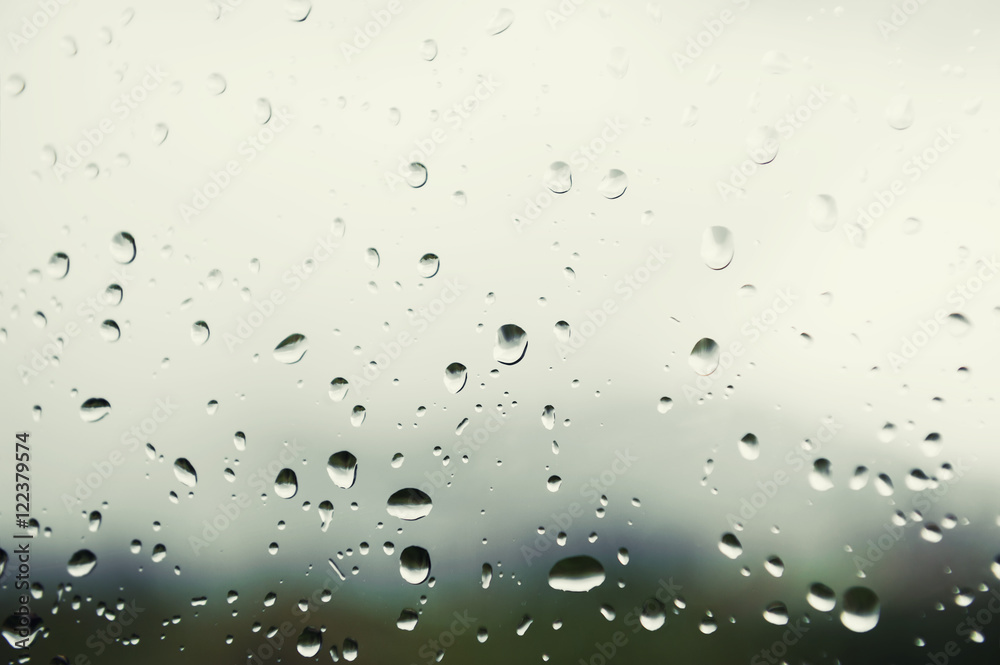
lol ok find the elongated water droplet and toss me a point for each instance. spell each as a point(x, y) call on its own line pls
point(291, 349)
point(704, 357)
point(487, 576)
point(577, 574)
point(428, 50)
point(730, 546)
point(94, 409)
point(717, 247)
point(749, 447)
point(184, 471)
point(338, 389)
point(613, 184)
point(820, 476)
point(358, 414)
point(409, 504)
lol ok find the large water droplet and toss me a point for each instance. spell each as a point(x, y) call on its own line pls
point(861, 609)
point(407, 619)
point(428, 265)
point(558, 178)
point(291, 349)
point(409, 504)
point(730, 546)
point(123, 247)
point(613, 184)
point(58, 266)
point(343, 469)
point(82, 563)
point(717, 247)
point(338, 389)
point(821, 597)
point(762, 144)
point(110, 332)
point(704, 358)
point(749, 447)
point(310, 642)
point(654, 614)
point(776, 613)
point(455, 376)
point(820, 476)
point(414, 564)
point(200, 332)
point(576, 573)
point(94, 409)
point(511, 344)
point(184, 471)
point(416, 175)
point(286, 484)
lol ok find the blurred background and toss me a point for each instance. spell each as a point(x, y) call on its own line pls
point(567, 331)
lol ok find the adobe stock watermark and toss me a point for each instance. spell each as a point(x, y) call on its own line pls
point(131, 440)
point(581, 159)
point(47, 354)
point(121, 109)
point(971, 628)
point(248, 149)
point(419, 322)
point(124, 615)
point(228, 512)
point(901, 14)
point(751, 331)
point(35, 23)
point(784, 128)
point(712, 29)
point(562, 12)
point(775, 654)
point(591, 490)
point(624, 289)
point(425, 147)
point(433, 649)
point(913, 170)
point(365, 34)
point(911, 344)
point(796, 460)
point(921, 501)
point(470, 442)
point(293, 278)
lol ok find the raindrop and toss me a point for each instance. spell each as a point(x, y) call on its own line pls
point(704, 358)
point(775, 566)
point(310, 642)
point(338, 389)
point(110, 331)
point(81, 563)
point(899, 113)
point(717, 247)
point(286, 484)
point(159, 133)
point(762, 145)
point(58, 265)
point(428, 265)
point(262, 111)
point(94, 409)
point(613, 184)
point(343, 469)
point(407, 619)
point(215, 84)
point(558, 178)
point(819, 477)
point(730, 546)
point(428, 50)
point(487, 576)
point(561, 331)
point(665, 404)
point(291, 349)
point(577, 573)
point(414, 564)
point(500, 21)
point(861, 609)
point(358, 414)
point(455, 376)
point(776, 613)
point(185, 472)
point(199, 332)
point(821, 597)
point(94, 521)
point(822, 212)
point(553, 483)
point(416, 175)
point(654, 615)
point(409, 504)
point(749, 447)
point(511, 344)
point(123, 247)
point(372, 258)
point(297, 10)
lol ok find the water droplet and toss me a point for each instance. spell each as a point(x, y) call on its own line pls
point(185, 472)
point(613, 184)
point(776, 613)
point(297, 10)
point(762, 145)
point(861, 609)
point(409, 504)
point(708, 626)
point(577, 574)
point(199, 332)
point(310, 642)
point(159, 133)
point(94, 521)
point(511, 344)
point(428, 50)
point(338, 389)
point(372, 259)
point(113, 295)
point(358, 414)
point(500, 21)
point(900, 113)
point(343, 469)
point(717, 247)
point(665, 404)
point(94, 409)
point(704, 358)
point(110, 331)
point(522, 627)
point(487, 576)
point(21, 632)
point(407, 619)
point(775, 566)
point(912, 225)
point(957, 324)
point(416, 175)
point(553, 483)
point(558, 178)
point(653, 615)
point(860, 478)
point(286, 484)
point(15, 85)
point(618, 62)
point(414, 564)
point(822, 212)
point(428, 265)
point(749, 447)
point(262, 111)
point(82, 563)
point(291, 349)
point(455, 376)
point(215, 84)
point(58, 266)
point(562, 331)
point(730, 546)
point(820, 476)
point(821, 597)
point(325, 511)
point(883, 485)
point(240, 441)
point(123, 247)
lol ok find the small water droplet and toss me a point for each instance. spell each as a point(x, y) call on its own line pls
point(900, 113)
